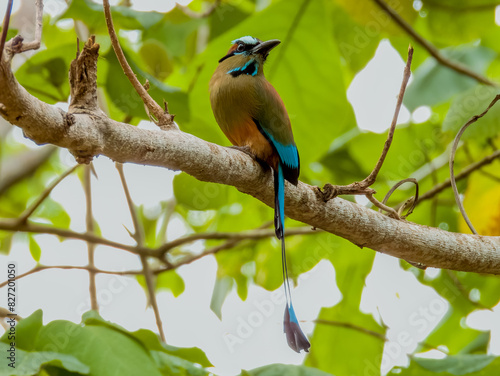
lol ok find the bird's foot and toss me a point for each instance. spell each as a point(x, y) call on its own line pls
point(245, 149)
point(328, 192)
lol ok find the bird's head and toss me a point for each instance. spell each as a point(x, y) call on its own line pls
point(250, 48)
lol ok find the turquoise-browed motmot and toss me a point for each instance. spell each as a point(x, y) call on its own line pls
point(252, 115)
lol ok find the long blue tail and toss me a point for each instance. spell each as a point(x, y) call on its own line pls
point(294, 335)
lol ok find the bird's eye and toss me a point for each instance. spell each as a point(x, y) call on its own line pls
point(241, 48)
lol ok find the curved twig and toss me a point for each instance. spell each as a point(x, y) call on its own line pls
point(414, 199)
point(163, 119)
point(452, 161)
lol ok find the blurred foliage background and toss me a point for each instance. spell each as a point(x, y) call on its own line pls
point(325, 44)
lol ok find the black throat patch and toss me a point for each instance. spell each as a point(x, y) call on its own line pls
point(251, 68)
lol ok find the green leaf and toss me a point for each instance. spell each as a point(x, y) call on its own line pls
point(433, 83)
point(177, 32)
point(222, 288)
point(225, 17)
point(355, 45)
point(26, 331)
point(336, 348)
point(45, 75)
point(150, 340)
point(92, 15)
point(156, 58)
point(5, 242)
point(172, 281)
point(284, 369)
point(105, 350)
point(54, 212)
point(30, 363)
point(125, 98)
point(198, 195)
point(172, 365)
point(472, 365)
point(35, 249)
point(456, 364)
point(458, 22)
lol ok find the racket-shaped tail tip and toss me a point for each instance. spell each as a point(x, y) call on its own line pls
point(296, 339)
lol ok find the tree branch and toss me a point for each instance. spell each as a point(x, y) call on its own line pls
point(362, 187)
point(163, 119)
point(95, 134)
point(5, 27)
point(40, 268)
point(244, 235)
point(14, 225)
point(87, 185)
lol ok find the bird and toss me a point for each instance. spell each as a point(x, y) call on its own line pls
point(252, 115)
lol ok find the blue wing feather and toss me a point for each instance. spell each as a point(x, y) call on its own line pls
point(289, 155)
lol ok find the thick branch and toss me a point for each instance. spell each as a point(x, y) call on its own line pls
point(93, 134)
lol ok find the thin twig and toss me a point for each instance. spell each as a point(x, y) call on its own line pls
point(40, 268)
point(362, 187)
point(14, 225)
point(452, 161)
point(392, 213)
point(406, 76)
point(31, 209)
point(433, 51)
point(463, 174)
point(190, 13)
point(163, 118)
point(139, 238)
point(348, 325)
point(5, 27)
point(210, 251)
point(87, 184)
point(245, 235)
point(17, 45)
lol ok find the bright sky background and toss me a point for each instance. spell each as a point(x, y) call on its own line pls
point(188, 321)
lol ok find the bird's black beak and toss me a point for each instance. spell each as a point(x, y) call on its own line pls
point(264, 47)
